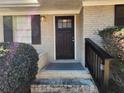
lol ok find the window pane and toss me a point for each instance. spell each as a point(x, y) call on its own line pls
point(60, 25)
point(23, 36)
point(22, 29)
point(69, 25)
point(23, 23)
point(64, 23)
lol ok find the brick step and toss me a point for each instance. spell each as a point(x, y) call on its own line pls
point(64, 86)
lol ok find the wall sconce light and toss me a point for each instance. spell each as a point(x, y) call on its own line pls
point(43, 18)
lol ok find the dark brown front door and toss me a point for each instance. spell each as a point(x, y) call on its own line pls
point(64, 37)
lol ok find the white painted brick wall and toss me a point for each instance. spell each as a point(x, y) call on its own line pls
point(47, 37)
point(96, 18)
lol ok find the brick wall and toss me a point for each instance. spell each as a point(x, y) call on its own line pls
point(47, 38)
point(96, 18)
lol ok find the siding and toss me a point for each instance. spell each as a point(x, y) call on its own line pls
point(47, 38)
point(96, 18)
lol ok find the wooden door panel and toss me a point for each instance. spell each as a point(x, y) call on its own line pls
point(64, 40)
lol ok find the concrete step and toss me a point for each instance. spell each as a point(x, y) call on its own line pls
point(64, 78)
point(66, 61)
point(71, 74)
point(64, 70)
point(64, 86)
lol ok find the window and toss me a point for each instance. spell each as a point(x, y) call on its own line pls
point(26, 29)
point(64, 23)
point(22, 29)
point(119, 15)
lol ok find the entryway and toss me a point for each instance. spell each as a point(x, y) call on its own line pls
point(64, 78)
point(64, 37)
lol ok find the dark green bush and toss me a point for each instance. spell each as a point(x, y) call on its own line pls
point(113, 41)
point(107, 31)
point(18, 67)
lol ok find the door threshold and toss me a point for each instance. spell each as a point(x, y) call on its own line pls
point(66, 61)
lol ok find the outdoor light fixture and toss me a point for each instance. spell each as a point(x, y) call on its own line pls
point(43, 18)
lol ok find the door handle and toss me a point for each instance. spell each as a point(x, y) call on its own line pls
point(73, 40)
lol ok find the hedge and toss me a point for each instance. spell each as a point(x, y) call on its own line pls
point(113, 42)
point(18, 67)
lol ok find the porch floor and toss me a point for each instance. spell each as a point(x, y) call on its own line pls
point(64, 70)
point(64, 66)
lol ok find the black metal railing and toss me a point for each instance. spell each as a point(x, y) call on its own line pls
point(98, 62)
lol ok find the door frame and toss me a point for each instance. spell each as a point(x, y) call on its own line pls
point(75, 43)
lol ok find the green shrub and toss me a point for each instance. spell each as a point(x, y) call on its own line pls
point(18, 67)
point(113, 41)
point(108, 32)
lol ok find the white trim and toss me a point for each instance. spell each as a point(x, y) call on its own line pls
point(101, 2)
point(2, 29)
point(54, 29)
point(32, 11)
point(18, 5)
point(10, 2)
point(75, 37)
